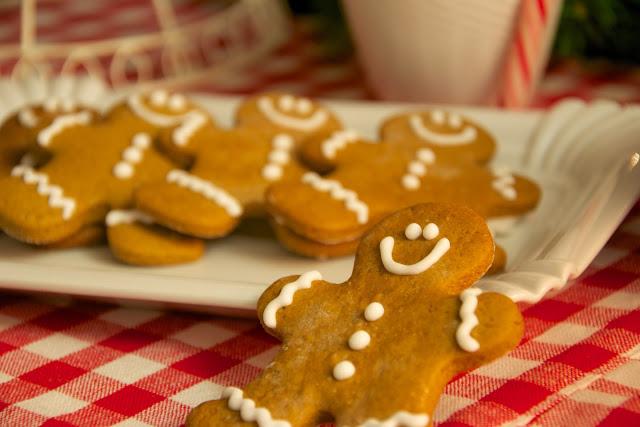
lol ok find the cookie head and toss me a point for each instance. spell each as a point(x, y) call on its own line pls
point(437, 245)
point(299, 116)
point(452, 136)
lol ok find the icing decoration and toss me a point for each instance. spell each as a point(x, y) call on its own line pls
point(159, 98)
point(27, 118)
point(399, 419)
point(392, 266)
point(137, 106)
point(417, 168)
point(191, 124)
point(302, 106)
point(54, 105)
point(27, 160)
point(469, 298)
point(177, 102)
point(206, 189)
point(431, 231)
point(413, 231)
point(132, 155)
point(437, 117)
point(504, 183)
point(343, 370)
point(285, 297)
point(55, 194)
point(373, 312)
point(61, 123)
point(338, 192)
point(118, 217)
point(248, 410)
point(465, 136)
point(278, 157)
point(338, 141)
point(359, 340)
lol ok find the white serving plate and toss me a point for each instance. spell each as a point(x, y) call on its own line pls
point(579, 154)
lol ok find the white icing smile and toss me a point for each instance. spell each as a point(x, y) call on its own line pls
point(288, 103)
point(159, 98)
point(465, 136)
point(430, 232)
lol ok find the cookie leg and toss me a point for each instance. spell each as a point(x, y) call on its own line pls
point(89, 235)
point(190, 205)
point(134, 239)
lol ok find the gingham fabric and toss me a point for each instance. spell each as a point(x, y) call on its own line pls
point(70, 363)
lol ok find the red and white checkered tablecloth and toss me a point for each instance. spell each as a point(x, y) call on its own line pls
point(78, 363)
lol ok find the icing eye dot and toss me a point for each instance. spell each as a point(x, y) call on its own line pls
point(431, 231)
point(410, 182)
point(283, 141)
point(343, 370)
point(177, 102)
point(455, 121)
point(68, 105)
point(158, 98)
point(417, 168)
point(303, 106)
point(437, 117)
point(373, 312)
point(413, 231)
point(141, 140)
point(286, 102)
point(426, 155)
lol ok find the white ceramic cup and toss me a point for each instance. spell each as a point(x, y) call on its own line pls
point(439, 51)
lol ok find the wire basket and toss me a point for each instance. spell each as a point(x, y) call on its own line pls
point(224, 37)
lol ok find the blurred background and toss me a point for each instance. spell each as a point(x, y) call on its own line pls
point(513, 53)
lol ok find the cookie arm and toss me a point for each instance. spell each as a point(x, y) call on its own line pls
point(499, 327)
point(280, 306)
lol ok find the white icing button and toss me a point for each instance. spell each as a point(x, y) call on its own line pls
point(373, 312)
point(132, 155)
point(437, 116)
point(272, 172)
point(410, 182)
point(359, 340)
point(283, 141)
point(431, 231)
point(159, 98)
point(417, 168)
point(413, 231)
point(142, 140)
point(177, 102)
point(123, 170)
point(278, 156)
point(343, 370)
point(426, 155)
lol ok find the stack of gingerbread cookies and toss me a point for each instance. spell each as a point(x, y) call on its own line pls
point(161, 177)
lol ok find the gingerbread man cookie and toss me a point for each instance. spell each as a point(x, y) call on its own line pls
point(93, 167)
point(378, 349)
point(369, 180)
point(451, 136)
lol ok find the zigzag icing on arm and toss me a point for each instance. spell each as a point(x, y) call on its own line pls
point(27, 118)
point(338, 141)
point(338, 192)
point(285, 297)
point(61, 123)
point(206, 189)
point(55, 194)
point(248, 410)
point(469, 298)
point(504, 183)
